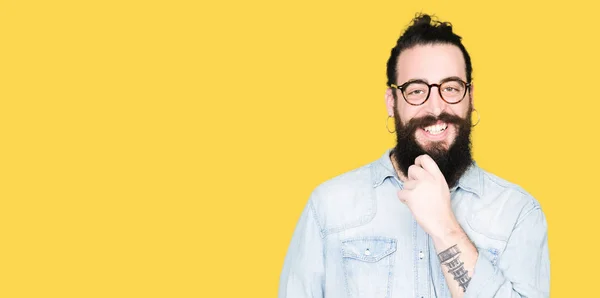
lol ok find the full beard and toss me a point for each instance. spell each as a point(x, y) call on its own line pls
point(453, 162)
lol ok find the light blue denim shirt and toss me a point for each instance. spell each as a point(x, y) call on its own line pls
point(356, 239)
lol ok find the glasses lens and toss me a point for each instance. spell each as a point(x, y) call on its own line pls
point(415, 93)
point(453, 91)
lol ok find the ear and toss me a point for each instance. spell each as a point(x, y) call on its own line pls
point(389, 102)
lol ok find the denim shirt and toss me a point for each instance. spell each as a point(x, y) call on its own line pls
point(356, 239)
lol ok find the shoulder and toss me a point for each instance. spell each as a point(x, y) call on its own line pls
point(496, 207)
point(344, 201)
point(500, 206)
point(498, 189)
point(343, 186)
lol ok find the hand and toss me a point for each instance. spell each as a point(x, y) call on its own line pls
point(427, 196)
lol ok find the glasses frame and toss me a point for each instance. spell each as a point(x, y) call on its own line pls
point(401, 87)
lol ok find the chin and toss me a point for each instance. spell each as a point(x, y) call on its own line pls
point(431, 146)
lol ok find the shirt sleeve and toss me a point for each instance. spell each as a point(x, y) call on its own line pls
point(523, 270)
point(303, 269)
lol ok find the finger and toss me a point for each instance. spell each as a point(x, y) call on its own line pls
point(416, 172)
point(404, 195)
point(410, 184)
point(426, 162)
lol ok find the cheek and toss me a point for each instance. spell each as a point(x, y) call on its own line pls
point(462, 109)
point(407, 112)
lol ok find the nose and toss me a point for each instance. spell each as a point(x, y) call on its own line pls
point(435, 104)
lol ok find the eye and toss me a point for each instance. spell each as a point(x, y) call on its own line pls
point(416, 89)
point(450, 89)
point(416, 92)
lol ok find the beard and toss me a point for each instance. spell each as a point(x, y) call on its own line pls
point(453, 162)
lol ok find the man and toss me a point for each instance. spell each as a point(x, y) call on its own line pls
point(424, 220)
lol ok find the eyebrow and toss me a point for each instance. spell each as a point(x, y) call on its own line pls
point(453, 78)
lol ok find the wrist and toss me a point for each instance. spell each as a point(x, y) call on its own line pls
point(450, 235)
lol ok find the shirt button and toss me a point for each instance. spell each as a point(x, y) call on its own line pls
point(421, 255)
point(367, 252)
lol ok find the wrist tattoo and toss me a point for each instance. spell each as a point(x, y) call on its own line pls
point(451, 258)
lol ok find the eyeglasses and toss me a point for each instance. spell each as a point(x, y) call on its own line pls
point(417, 92)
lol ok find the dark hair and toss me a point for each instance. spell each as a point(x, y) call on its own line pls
point(425, 31)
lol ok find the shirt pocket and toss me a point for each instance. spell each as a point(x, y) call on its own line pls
point(368, 266)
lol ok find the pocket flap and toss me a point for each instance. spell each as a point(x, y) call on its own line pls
point(368, 249)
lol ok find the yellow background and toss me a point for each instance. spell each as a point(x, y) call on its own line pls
point(167, 148)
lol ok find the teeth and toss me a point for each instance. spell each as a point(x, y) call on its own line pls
point(436, 129)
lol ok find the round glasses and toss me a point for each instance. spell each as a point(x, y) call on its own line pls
point(417, 92)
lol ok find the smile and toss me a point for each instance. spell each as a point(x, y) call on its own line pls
point(436, 129)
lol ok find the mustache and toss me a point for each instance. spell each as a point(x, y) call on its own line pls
point(428, 120)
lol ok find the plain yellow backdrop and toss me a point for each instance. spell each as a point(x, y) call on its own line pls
point(167, 148)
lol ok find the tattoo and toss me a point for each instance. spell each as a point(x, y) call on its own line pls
point(450, 258)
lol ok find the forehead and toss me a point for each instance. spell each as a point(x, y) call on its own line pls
point(431, 63)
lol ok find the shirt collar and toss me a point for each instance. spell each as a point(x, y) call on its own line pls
point(382, 169)
point(471, 180)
